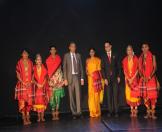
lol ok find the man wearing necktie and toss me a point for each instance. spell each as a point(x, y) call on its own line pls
point(73, 76)
point(111, 73)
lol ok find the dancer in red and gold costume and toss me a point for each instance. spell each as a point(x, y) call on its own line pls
point(23, 90)
point(40, 88)
point(148, 81)
point(130, 68)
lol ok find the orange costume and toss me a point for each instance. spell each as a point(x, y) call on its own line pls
point(23, 90)
point(130, 67)
point(93, 67)
point(40, 93)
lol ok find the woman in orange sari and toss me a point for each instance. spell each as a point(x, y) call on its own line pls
point(93, 67)
point(40, 88)
point(23, 90)
point(130, 68)
point(148, 81)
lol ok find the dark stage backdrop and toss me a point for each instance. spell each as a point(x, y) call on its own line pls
point(35, 24)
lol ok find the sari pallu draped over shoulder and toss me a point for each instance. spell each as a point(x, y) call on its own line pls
point(53, 64)
point(40, 94)
point(24, 92)
point(129, 73)
point(54, 73)
point(132, 90)
point(97, 81)
point(93, 67)
point(146, 67)
point(40, 79)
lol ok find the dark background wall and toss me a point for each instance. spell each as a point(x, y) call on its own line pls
point(34, 24)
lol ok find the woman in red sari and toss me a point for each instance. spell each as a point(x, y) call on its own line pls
point(55, 81)
point(148, 82)
point(40, 88)
point(130, 68)
point(23, 90)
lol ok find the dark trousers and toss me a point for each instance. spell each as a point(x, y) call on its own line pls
point(111, 95)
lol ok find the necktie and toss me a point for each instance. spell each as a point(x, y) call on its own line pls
point(109, 57)
point(74, 63)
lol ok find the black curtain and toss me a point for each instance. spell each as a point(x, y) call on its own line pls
point(34, 25)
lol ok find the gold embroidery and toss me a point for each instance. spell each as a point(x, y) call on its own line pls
point(130, 65)
point(39, 70)
point(26, 68)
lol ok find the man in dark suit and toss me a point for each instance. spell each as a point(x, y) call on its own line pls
point(111, 74)
point(73, 75)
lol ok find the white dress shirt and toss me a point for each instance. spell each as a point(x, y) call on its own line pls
point(109, 54)
point(73, 55)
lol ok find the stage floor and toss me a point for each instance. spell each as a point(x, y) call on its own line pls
point(85, 124)
point(124, 123)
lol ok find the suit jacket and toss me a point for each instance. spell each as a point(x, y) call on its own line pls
point(112, 69)
point(67, 67)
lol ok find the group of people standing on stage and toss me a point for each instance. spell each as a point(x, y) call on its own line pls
point(41, 84)
point(38, 86)
point(141, 81)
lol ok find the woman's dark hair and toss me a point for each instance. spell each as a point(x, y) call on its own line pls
point(145, 43)
point(38, 55)
point(52, 46)
point(129, 45)
point(25, 50)
point(92, 49)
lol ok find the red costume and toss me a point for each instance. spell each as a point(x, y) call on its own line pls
point(40, 93)
point(23, 90)
point(52, 65)
point(97, 81)
point(148, 89)
point(130, 72)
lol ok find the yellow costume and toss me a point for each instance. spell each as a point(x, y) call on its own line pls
point(130, 100)
point(93, 64)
